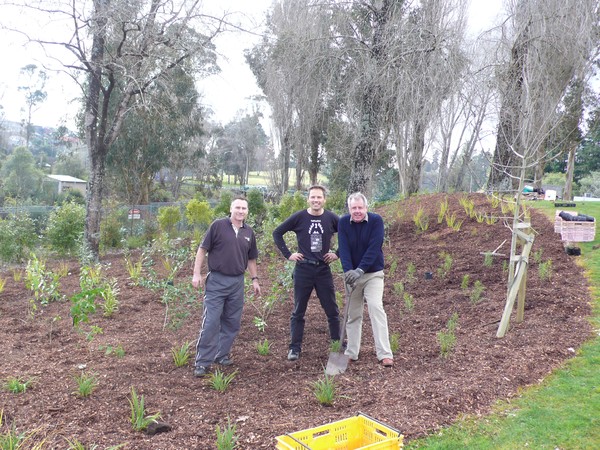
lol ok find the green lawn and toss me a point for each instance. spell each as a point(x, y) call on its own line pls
point(563, 412)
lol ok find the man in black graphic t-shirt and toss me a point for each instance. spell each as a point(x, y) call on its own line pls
point(314, 227)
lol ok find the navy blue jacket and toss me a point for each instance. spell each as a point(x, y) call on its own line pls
point(360, 243)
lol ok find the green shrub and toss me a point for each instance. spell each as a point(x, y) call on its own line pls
point(168, 218)
point(224, 205)
point(198, 213)
point(257, 209)
point(17, 237)
point(110, 232)
point(65, 227)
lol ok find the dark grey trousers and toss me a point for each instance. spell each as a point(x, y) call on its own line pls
point(223, 305)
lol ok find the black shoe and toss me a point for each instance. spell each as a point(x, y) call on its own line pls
point(293, 355)
point(200, 371)
point(224, 361)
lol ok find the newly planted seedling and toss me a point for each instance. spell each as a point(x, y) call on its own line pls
point(395, 342)
point(447, 338)
point(139, 419)
point(476, 292)
point(263, 347)
point(324, 390)
point(86, 383)
point(545, 270)
point(219, 381)
point(226, 438)
point(181, 354)
point(17, 385)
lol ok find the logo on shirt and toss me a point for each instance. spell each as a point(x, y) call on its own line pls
point(315, 227)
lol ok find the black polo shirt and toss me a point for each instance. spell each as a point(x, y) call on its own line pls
point(227, 253)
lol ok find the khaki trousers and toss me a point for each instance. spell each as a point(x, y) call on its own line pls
point(369, 289)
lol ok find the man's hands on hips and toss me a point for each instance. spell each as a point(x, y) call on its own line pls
point(330, 257)
point(352, 276)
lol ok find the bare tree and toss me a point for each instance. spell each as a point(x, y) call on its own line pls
point(550, 43)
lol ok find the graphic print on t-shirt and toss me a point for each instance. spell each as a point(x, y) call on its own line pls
point(316, 236)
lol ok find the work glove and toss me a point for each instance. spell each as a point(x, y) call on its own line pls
point(352, 276)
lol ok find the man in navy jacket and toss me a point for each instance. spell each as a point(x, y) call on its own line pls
point(360, 239)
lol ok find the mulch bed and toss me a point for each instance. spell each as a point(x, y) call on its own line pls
point(270, 396)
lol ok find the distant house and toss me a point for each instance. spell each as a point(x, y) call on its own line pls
point(66, 182)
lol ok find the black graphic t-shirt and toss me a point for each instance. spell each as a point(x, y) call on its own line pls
point(313, 233)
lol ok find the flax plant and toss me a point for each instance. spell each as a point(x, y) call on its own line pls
point(219, 381)
point(181, 354)
point(139, 419)
point(324, 390)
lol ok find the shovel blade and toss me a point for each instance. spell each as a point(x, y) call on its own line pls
point(337, 363)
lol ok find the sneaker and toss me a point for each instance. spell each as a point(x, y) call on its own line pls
point(200, 371)
point(224, 361)
point(293, 355)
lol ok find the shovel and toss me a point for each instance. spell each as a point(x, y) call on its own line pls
point(338, 361)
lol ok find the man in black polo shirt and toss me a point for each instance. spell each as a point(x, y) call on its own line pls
point(314, 227)
point(230, 245)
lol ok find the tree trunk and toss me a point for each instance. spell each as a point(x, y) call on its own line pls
point(416, 158)
point(313, 168)
point(568, 192)
point(97, 148)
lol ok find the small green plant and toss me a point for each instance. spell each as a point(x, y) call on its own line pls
point(65, 227)
point(94, 331)
point(17, 275)
point(86, 383)
point(491, 219)
point(409, 301)
point(443, 210)
point(545, 271)
point(395, 342)
point(139, 419)
point(464, 284)
point(117, 351)
point(421, 220)
point(77, 445)
point(134, 269)
point(181, 354)
point(494, 201)
point(226, 438)
point(447, 338)
point(16, 385)
point(411, 271)
point(451, 220)
point(488, 259)
point(476, 292)
point(324, 390)
point(399, 288)
point(109, 295)
point(168, 217)
point(393, 267)
point(537, 255)
point(444, 269)
point(44, 284)
point(219, 381)
point(468, 205)
point(335, 346)
point(480, 217)
point(505, 266)
point(263, 347)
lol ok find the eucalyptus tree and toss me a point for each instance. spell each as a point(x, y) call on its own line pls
point(237, 145)
point(123, 49)
point(33, 88)
point(157, 137)
point(549, 44)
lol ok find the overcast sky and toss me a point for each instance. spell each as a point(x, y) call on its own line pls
point(226, 93)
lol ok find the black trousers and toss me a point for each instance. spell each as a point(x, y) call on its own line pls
point(306, 278)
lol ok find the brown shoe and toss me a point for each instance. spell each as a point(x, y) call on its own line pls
point(387, 362)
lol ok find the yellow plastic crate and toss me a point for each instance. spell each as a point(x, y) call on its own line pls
point(360, 432)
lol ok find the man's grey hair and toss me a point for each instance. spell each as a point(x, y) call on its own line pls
point(358, 196)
